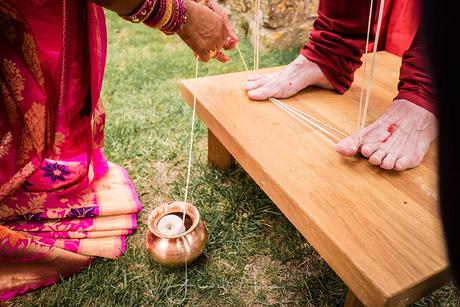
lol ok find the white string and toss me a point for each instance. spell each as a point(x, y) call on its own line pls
point(256, 34)
point(314, 119)
point(371, 77)
point(360, 115)
point(306, 119)
point(186, 282)
point(189, 170)
point(293, 114)
point(190, 152)
point(242, 58)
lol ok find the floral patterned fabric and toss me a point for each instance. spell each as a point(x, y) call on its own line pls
point(61, 202)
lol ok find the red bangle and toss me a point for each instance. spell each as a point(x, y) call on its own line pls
point(170, 27)
point(142, 13)
point(155, 19)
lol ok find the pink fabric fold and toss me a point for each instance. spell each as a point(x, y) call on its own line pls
point(61, 202)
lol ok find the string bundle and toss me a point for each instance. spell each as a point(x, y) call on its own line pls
point(362, 114)
point(325, 131)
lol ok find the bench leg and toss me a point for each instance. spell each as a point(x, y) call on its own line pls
point(352, 300)
point(218, 155)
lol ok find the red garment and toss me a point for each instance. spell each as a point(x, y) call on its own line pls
point(401, 19)
point(338, 40)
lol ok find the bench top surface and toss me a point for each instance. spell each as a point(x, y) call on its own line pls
point(380, 231)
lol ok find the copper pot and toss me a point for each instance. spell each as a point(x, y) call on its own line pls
point(174, 251)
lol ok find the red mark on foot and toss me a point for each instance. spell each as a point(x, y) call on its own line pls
point(391, 128)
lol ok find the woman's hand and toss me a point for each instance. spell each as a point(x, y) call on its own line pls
point(205, 32)
point(232, 39)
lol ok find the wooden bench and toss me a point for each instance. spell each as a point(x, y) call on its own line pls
point(379, 231)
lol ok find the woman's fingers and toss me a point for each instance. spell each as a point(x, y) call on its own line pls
point(207, 32)
point(204, 31)
point(204, 57)
point(232, 39)
point(221, 57)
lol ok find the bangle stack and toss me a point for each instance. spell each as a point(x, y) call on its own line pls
point(168, 16)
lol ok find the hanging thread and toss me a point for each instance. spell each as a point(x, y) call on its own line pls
point(299, 119)
point(371, 76)
point(242, 58)
point(256, 34)
point(305, 118)
point(363, 84)
point(303, 114)
point(192, 130)
point(189, 170)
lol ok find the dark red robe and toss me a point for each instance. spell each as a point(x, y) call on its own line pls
point(338, 40)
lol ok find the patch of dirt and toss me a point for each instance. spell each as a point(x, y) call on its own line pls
point(267, 281)
point(164, 174)
point(257, 288)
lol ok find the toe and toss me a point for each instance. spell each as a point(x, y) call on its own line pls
point(377, 157)
point(348, 147)
point(402, 163)
point(369, 148)
point(261, 93)
point(252, 85)
point(389, 162)
point(409, 161)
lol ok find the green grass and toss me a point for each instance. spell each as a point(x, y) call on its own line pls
point(255, 257)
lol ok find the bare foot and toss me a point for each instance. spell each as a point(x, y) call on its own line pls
point(298, 75)
point(398, 140)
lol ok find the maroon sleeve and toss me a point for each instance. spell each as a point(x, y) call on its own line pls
point(415, 83)
point(338, 39)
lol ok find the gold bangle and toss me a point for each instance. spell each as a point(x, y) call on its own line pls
point(212, 53)
point(167, 16)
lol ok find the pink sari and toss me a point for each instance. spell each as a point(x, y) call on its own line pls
point(61, 202)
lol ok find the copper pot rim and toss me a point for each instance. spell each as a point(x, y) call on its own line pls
point(168, 208)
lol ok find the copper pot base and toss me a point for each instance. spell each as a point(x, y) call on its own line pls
point(175, 251)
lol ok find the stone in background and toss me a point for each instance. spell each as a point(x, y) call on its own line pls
point(285, 24)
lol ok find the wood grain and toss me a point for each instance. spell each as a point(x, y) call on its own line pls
point(380, 231)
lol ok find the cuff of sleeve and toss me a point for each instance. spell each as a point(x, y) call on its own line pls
point(418, 99)
point(339, 82)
